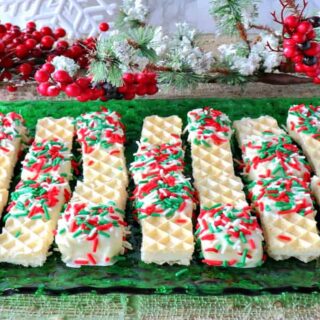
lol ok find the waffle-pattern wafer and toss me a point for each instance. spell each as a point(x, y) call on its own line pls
point(163, 196)
point(270, 155)
point(100, 129)
point(224, 208)
point(101, 192)
point(221, 189)
point(13, 137)
point(280, 191)
point(31, 220)
point(152, 160)
point(92, 230)
point(38, 198)
point(247, 127)
point(164, 206)
point(104, 164)
point(47, 157)
point(303, 124)
point(90, 234)
point(61, 129)
point(230, 236)
point(159, 130)
point(209, 136)
point(287, 215)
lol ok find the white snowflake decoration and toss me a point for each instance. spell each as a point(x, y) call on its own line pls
point(80, 18)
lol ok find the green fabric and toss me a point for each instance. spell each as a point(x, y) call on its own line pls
point(130, 273)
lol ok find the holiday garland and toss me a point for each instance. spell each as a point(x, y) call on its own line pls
point(134, 59)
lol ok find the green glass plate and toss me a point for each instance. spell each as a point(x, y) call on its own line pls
point(130, 274)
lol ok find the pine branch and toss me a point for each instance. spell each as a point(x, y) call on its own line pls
point(180, 80)
point(229, 15)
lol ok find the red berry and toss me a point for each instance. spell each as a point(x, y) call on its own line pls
point(151, 90)
point(142, 78)
point(313, 50)
point(7, 62)
point(30, 43)
point(47, 42)
point(11, 88)
point(122, 89)
point(22, 50)
point(128, 78)
point(36, 52)
point(311, 35)
point(289, 52)
point(46, 31)
point(8, 25)
point(53, 91)
point(316, 80)
point(2, 46)
point(43, 88)
point(37, 35)
point(304, 27)
point(73, 90)
point(2, 29)
point(25, 69)
point(41, 76)
point(289, 43)
point(299, 67)
point(141, 90)
point(298, 58)
point(82, 98)
point(62, 45)
point(83, 82)
point(103, 26)
point(48, 67)
point(6, 75)
point(31, 25)
point(60, 33)
point(62, 76)
point(83, 62)
point(299, 37)
point(129, 96)
point(152, 77)
point(291, 22)
point(76, 51)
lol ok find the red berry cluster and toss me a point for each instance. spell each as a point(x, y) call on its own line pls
point(20, 49)
point(52, 82)
point(300, 47)
point(143, 83)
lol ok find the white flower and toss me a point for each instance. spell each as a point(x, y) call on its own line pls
point(65, 63)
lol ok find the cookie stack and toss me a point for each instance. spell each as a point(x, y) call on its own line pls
point(13, 137)
point(303, 124)
point(163, 195)
point(92, 229)
point(279, 180)
point(36, 203)
point(228, 234)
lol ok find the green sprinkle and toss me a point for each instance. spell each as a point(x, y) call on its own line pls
point(179, 273)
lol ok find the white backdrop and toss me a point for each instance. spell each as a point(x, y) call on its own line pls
point(81, 17)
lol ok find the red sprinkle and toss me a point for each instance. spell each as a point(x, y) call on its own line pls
point(283, 237)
